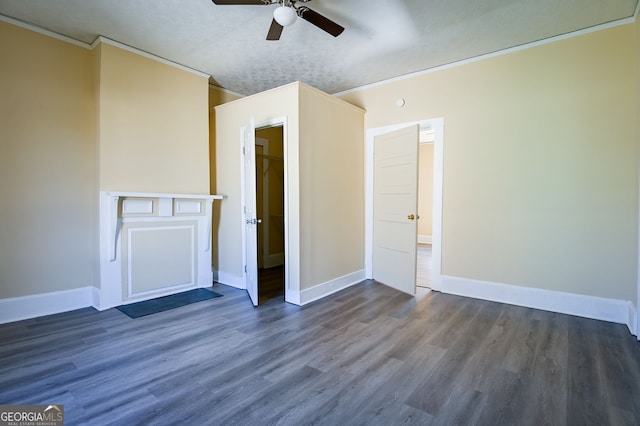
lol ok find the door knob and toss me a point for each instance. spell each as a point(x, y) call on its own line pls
point(411, 217)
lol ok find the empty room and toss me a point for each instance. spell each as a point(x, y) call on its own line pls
point(320, 212)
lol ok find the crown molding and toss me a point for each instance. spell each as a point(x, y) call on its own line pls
point(105, 40)
point(542, 42)
point(97, 41)
point(43, 31)
point(227, 91)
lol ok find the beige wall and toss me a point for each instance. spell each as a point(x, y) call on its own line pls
point(153, 125)
point(331, 187)
point(325, 139)
point(217, 97)
point(540, 162)
point(230, 117)
point(637, 120)
point(74, 121)
point(425, 189)
point(48, 180)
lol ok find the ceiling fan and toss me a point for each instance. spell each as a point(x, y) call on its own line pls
point(286, 14)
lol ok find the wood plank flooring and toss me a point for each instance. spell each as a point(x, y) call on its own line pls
point(368, 355)
point(270, 284)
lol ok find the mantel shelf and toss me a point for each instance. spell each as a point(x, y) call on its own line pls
point(162, 195)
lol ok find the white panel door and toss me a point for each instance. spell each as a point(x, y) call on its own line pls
point(250, 219)
point(395, 206)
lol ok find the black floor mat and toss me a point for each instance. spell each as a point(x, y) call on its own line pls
point(165, 303)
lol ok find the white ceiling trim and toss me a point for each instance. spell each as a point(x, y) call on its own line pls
point(147, 55)
point(227, 91)
point(101, 39)
point(549, 40)
point(42, 31)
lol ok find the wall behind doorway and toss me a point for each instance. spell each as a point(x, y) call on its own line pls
point(425, 193)
point(270, 199)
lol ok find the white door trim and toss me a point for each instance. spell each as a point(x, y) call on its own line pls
point(437, 125)
point(291, 215)
point(264, 143)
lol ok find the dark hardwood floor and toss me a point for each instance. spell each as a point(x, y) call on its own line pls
point(270, 284)
point(368, 355)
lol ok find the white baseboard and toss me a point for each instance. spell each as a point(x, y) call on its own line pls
point(633, 320)
point(293, 297)
point(425, 239)
point(613, 310)
point(321, 290)
point(38, 305)
point(231, 280)
point(96, 299)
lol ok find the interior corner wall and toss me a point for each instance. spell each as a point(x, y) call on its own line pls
point(48, 166)
point(216, 97)
point(331, 188)
point(540, 162)
point(153, 125)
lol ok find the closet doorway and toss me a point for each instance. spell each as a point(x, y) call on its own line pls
point(270, 207)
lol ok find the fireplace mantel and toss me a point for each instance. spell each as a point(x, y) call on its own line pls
point(153, 244)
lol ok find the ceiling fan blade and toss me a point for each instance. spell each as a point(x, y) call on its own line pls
point(275, 30)
point(240, 2)
point(320, 21)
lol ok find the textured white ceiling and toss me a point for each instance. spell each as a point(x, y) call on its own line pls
point(383, 38)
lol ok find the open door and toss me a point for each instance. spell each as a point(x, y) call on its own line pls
point(250, 219)
point(395, 206)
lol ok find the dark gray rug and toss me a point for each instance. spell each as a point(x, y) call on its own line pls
point(165, 303)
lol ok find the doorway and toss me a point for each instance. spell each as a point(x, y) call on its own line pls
point(425, 208)
point(270, 207)
point(436, 126)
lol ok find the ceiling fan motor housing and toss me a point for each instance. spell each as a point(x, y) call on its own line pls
point(285, 15)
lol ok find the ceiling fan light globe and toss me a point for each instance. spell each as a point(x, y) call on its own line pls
point(285, 16)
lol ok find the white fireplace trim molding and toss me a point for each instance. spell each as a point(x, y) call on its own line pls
point(157, 210)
